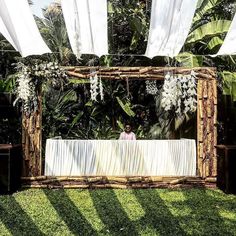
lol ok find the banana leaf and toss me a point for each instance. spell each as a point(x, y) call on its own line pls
point(126, 107)
point(214, 42)
point(203, 7)
point(211, 29)
point(189, 60)
point(229, 83)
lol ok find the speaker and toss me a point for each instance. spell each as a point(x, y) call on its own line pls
point(226, 168)
point(10, 167)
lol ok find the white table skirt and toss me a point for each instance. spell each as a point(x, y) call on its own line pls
point(120, 157)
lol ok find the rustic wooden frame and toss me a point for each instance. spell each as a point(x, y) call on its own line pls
point(206, 113)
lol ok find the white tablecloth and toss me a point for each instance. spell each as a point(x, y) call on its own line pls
point(120, 157)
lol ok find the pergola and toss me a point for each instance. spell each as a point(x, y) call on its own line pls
point(206, 114)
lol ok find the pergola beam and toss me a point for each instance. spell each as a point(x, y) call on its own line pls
point(147, 73)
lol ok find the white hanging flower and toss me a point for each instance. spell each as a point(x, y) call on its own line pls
point(179, 93)
point(170, 92)
point(151, 87)
point(94, 87)
point(30, 76)
point(101, 89)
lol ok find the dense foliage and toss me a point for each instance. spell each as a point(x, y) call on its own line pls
point(69, 111)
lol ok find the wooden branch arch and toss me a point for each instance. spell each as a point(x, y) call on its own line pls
point(206, 113)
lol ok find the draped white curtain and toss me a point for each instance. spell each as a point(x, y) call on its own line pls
point(120, 158)
point(86, 23)
point(169, 27)
point(229, 45)
point(18, 26)
point(5, 33)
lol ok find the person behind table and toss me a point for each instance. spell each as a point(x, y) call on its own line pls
point(127, 134)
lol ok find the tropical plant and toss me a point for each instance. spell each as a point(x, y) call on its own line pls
point(69, 112)
point(53, 30)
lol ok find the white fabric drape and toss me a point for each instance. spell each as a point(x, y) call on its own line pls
point(229, 45)
point(4, 32)
point(120, 158)
point(18, 26)
point(169, 27)
point(86, 23)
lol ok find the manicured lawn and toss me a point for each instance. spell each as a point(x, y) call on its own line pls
point(118, 212)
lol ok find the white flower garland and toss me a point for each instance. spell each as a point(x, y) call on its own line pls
point(170, 91)
point(151, 87)
point(26, 92)
point(93, 86)
point(31, 76)
point(101, 89)
point(96, 85)
point(179, 93)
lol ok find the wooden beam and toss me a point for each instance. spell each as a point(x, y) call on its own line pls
point(146, 73)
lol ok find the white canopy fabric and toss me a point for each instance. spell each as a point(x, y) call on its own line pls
point(5, 33)
point(229, 45)
point(169, 26)
point(86, 23)
point(18, 26)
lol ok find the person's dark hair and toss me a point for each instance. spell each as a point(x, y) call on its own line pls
point(128, 123)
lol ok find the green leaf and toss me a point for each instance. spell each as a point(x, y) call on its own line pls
point(211, 29)
point(89, 103)
point(79, 81)
point(214, 42)
point(229, 83)
point(189, 60)
point(234, 91)
point(203, 7)
point(179, 120)
point(75, 120)
point(120, 124)
point(126, 107)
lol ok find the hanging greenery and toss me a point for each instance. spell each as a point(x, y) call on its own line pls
point(30, 77)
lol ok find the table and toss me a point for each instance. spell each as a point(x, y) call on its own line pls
point(120, 157)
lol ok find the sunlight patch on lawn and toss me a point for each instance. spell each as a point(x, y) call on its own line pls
point(42, 212)
point(175, 202)
point(171, 196)
point(130, 204)
point(84, 203)
point(228, 215)
point(3, 230)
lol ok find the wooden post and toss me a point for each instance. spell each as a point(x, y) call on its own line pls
point(32, 141)
point(206, 127)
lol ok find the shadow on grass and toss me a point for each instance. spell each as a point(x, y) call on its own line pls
point(67, 210)
point(112, 214)
point(205, 212)
point(157, 215)
point(16, 220)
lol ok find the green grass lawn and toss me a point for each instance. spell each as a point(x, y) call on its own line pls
point(118, 212)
